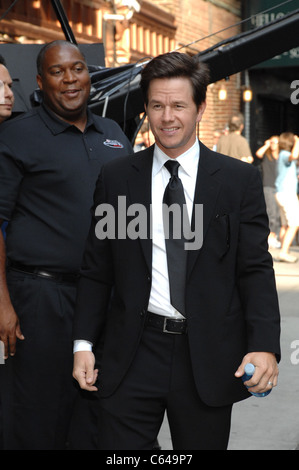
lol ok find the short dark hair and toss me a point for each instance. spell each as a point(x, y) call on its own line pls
point(175, 65)
point(46, 47)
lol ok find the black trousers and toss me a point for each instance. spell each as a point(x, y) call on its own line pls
point(37, 390)
point(160, 378)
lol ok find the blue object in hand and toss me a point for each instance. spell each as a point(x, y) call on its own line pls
point(249, 371)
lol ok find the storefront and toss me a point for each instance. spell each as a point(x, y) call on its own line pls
point(275, 83)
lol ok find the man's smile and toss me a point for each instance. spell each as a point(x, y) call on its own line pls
point(71, 92)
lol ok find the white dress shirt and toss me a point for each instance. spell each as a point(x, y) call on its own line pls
point(159, 301)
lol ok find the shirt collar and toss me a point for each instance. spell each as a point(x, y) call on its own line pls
point(188, 160)
point(57, 126)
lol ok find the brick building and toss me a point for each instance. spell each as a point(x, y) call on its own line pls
point(131, 30)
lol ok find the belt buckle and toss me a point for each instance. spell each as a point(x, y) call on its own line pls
point(45, 274)
point(165, 330)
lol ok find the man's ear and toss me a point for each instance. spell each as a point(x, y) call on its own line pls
point(201, 110)
point(39, 81)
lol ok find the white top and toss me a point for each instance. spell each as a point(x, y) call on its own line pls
point(159, 301)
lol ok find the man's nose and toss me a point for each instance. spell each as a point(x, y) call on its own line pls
point(5, 92)
point(8, 92)
point(69, 76)
point(168, 113)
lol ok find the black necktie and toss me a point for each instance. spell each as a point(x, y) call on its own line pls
point(174, 237)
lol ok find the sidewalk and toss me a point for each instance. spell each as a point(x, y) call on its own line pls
point(271, 423)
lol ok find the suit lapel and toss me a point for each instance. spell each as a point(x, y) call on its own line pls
point(206, 193)
point(139, 190)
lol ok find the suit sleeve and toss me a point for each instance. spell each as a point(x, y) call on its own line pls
point(255, 272)
point(96, 279)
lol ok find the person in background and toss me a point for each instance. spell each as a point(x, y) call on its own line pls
point(269, 153)
point(50, 159)
point(286, 193)
point(6, 92)
point(234, 144)
point(160, 353)
point(217, 134)
point(6, 107)
point(6, 101)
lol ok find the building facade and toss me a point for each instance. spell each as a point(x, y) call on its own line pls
point(275, 83)
point(134, 29)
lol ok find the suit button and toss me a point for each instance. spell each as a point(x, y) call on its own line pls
point(142, 313)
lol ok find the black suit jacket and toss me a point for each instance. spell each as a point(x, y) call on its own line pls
point(231, 298)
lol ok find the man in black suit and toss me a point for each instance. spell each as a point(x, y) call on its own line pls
point(186, 359)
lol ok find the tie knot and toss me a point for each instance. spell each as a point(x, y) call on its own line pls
point(172, 166)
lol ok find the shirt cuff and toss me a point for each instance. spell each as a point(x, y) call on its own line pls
point(82, 345)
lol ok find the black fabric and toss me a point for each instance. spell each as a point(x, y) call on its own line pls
point(38, 378)
point(160, 378)
point(47, 180)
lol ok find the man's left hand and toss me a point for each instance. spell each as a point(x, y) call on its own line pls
point(266, 372)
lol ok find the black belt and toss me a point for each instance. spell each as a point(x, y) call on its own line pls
point(45, 273)
point(166, 324)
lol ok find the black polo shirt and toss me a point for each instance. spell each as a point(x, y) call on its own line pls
point(48, 172)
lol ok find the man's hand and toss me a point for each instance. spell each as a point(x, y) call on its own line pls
point(10, 329)
point(84, 371)
point(266, 371)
